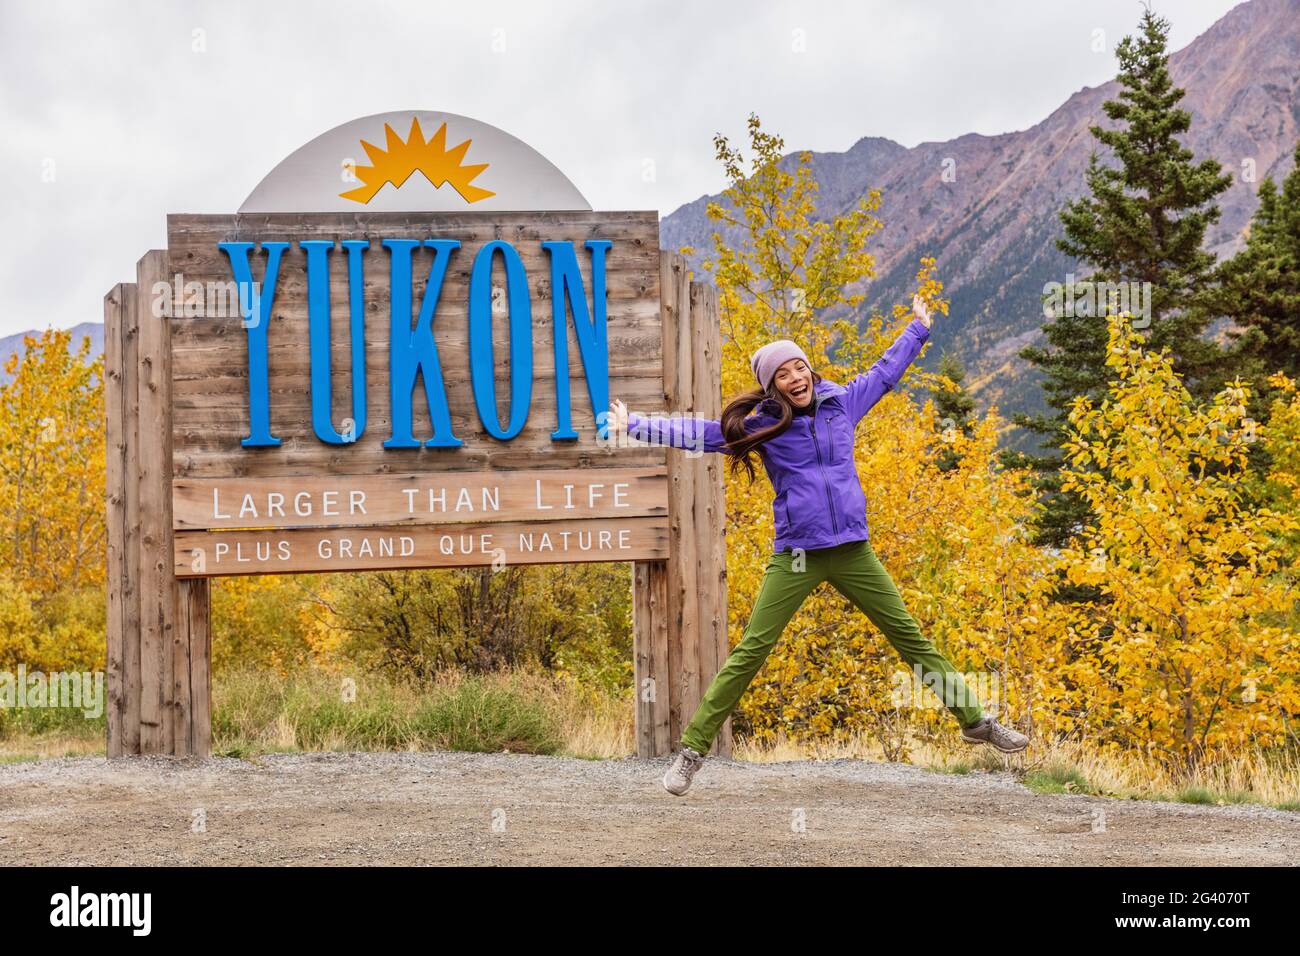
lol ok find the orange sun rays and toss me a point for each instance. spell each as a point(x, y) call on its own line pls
point(399, 160)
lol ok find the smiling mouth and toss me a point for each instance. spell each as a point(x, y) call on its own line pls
point(799, 392)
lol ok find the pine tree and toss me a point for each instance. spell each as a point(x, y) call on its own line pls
point(1259, 289)
point(952, 408)
point(1143, 221)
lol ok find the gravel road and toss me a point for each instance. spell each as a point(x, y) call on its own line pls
point(473, 809)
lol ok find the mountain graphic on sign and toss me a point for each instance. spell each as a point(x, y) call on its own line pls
point(400, 159)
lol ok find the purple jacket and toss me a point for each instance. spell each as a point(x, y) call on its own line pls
point(819, 501)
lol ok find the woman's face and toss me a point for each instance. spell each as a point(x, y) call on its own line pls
point(794, 379)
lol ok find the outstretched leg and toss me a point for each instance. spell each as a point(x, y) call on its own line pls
point(860, 577)
point(785, 585)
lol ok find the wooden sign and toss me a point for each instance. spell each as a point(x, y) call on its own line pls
point(405, 364)
point(395, 352)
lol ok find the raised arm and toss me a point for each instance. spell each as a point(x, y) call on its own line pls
point(678, 431)
point(870, 387)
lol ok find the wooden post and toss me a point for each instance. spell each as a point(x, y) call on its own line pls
point(679, 380)
point(650, 657)
point(192, 664)
point(158, 637)
point(157, 589)
point(123, 519)
point(710, 503)
point(680, 605)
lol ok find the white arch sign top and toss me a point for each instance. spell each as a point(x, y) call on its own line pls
point(414, 161)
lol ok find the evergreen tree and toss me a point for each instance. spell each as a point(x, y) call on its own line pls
point(1144, 221)
point(1259, 289)
point(952, 408)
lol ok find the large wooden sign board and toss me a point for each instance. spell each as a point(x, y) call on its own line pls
point(329, 391)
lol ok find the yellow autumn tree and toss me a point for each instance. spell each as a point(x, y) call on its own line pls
point(259, 621)
point(52, 464)
point(1190, 661)
point(52, 599)
point(970, 573)
point(1279, 482)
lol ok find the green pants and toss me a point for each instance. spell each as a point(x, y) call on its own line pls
point(855, 571)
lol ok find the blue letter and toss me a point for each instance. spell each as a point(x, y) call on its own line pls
point(259, 409)
point(481, 364)
point(318, 318)
point(566, 284)
point(413, 351)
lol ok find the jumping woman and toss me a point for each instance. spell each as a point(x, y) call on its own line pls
point(802, 428)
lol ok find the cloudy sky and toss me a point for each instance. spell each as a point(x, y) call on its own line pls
point(116, 114)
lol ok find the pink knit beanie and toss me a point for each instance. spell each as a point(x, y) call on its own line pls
point(771, 357)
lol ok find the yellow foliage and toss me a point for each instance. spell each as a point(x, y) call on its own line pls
point(263, 621)
point(1193, 657)
point(52, 464)
point(1279, 485)
point(52, 597)
point(51, 632)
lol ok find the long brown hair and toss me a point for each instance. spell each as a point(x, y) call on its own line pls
point(739, 442)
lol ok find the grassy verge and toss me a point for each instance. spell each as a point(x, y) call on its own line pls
point(516, 711)
point(1272, 779)
point(526, 712)
point(40, 733)
point(261, 712)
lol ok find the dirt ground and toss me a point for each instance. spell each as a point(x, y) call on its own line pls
point(484, 809)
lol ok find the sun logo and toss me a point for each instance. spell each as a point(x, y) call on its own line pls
point(400, 160)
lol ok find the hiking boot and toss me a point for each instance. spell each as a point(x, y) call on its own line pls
point(678, 778)
point(988, 731)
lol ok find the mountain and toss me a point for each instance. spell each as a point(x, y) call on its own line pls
point(992, 229)
point(10, 344)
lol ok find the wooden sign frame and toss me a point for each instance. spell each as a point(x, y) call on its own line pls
point(166, 473)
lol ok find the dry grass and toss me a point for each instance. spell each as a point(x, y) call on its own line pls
point(1073, 767)
point(527, 712)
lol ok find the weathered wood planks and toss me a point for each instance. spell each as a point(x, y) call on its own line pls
point(123, 521)
point(298, 550)
point(308, 501)
point(680, 605)
point(154, 465)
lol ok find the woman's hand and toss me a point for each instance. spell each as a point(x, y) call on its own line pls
point(617, 420)
point(921, 310)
